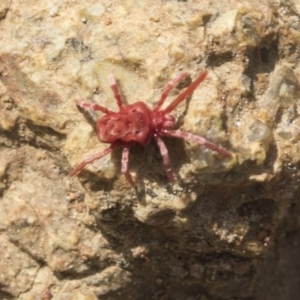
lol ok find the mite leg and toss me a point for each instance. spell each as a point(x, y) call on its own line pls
point(184, 94)
point(115, 89)
point(92, 106)
point(92, 158)
point(165, 156)
point(168, 88)
point(198, 139)
point(125, 163)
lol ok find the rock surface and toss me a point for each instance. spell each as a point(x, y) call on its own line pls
point(225, 226)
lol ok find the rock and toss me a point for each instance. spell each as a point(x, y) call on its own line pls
point(220, 225)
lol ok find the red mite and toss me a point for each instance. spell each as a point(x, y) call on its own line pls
point(137, 123)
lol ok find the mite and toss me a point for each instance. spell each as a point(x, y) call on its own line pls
point(137, 123)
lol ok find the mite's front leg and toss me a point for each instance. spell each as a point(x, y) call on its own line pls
point(198, 139)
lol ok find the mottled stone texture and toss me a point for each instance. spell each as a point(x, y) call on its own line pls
point(227, 229)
